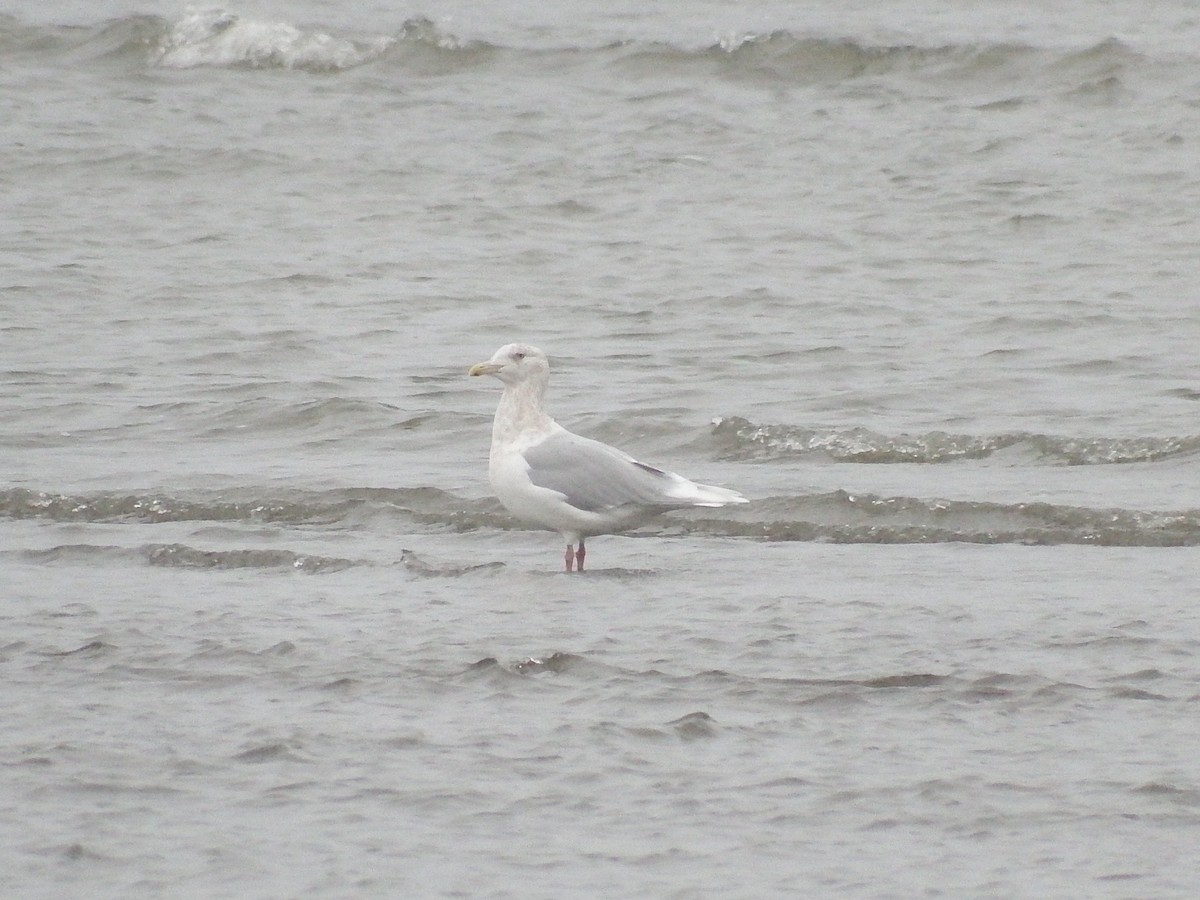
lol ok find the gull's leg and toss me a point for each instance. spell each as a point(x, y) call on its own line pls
point(580, 555)
point(569, 558)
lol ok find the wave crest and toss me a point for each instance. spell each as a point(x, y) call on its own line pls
point(836, 517)
point(187, 557)
point(220, 39)
point(742, 439)
point(298, 508)
point(845, 518)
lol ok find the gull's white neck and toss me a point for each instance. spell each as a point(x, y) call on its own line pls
point(520, 411)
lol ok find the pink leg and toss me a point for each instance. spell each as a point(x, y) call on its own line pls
point(579, 556)
point(569, 558)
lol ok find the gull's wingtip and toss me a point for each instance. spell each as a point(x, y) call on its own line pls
point(711, 495)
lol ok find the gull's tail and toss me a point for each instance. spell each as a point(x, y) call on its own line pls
point(681, 492)
point(705, 494)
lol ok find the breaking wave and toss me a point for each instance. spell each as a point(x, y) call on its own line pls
point(221, 39)
point(836, 516)
point(739, 438)
point(347, 506)
point(845, 518)
point(186, 557)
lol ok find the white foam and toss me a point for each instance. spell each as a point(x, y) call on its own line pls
point(219, 39)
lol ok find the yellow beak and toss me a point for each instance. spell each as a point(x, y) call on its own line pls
point(484, 368)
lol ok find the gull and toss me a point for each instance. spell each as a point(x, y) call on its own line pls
point(548, 477)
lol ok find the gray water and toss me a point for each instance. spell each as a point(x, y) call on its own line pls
point(919, 281)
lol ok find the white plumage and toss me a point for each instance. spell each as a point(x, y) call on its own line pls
point(549, 477)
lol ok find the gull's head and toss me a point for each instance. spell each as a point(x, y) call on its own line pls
point(513, 363)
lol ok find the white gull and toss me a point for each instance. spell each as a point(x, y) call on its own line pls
point(551, 478)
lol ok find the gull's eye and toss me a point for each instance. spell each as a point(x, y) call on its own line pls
point(518, 356)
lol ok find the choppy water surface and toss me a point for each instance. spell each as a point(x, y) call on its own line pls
point(919, 281)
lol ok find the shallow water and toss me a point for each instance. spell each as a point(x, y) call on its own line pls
point(920, 282)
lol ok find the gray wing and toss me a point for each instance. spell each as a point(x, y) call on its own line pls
point(595, 476)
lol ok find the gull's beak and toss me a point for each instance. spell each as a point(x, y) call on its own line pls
point(484, 368)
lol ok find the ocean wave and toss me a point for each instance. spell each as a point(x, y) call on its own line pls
point(814, 691)
point(220, 39)
point(784, 56)
point(846, 518)
point(320, 420)
point(296, 508)
point(833, 517)
point(739, 438)
point(183, 556)
point(338, 415)
point(217, 38)
point(211, 38)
